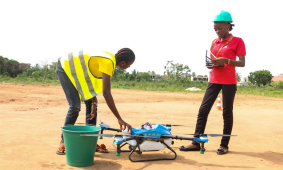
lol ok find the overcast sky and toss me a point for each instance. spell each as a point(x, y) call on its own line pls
point(36, 31)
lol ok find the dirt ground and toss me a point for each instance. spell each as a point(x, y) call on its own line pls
point(31, 117)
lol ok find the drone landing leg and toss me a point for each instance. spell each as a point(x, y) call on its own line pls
point(101, 133)
point(144, 160)
point(124, 150)
point(118, 150)
point(202, 148)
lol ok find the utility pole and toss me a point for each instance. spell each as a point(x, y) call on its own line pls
point(45, 74)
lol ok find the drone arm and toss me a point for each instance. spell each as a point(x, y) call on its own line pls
point(177, 137)
point(129, 138)
point(113, 129)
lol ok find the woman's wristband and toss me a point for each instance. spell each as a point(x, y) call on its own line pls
point(228, 62)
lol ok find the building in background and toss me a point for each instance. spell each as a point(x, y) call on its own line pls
point(277, 78)
point(244, 82)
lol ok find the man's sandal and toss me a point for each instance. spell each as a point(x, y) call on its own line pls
point(61, 150)
point(101, 149)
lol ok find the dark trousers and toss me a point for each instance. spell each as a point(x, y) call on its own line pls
point(73, 99)
point(228, 95)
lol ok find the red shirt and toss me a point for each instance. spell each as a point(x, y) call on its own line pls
point(227, 74)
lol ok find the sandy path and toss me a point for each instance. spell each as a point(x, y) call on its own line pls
point(31, 117)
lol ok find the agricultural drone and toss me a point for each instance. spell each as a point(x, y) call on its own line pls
point(150, 137)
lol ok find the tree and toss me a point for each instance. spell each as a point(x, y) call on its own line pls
point(239, 76)
point(134, 72)
point(194, 74)
point(9, 67)
point(131, 77)
point(35, 75)
point(117, 72)
point(175, 71)
point(122, 77)
point(143, 77)
point(2, 65)
point(205, 76)
point(261, 77)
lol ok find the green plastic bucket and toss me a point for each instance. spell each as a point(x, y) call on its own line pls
point(80, 150)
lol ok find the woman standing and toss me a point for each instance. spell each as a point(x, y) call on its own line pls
point(224, 50)
point(84, 76)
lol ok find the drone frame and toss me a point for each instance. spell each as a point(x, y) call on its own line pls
point(140, 138)
point(139, 141)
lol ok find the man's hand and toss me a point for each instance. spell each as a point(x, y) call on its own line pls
point(123, 123)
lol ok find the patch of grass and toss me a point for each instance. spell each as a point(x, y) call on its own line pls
point(172, 86)
point(27, 80)
point(276, 90)
point(262, 91)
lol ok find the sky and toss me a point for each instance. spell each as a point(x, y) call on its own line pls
point(38, 31)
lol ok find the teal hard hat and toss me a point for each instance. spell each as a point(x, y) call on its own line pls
point(223, 16)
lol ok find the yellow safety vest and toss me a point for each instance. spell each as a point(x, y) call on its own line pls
point(77, 69)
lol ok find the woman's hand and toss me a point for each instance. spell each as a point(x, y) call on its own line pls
point(93, 111)
point(123, 123)
point(219, 61)
point(91, 116)
point(214, 65)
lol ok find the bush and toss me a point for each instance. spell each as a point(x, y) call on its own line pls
point(275, 92)
point(143, 77)
point(279, 84)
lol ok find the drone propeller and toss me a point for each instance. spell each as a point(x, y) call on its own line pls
point(211, 135)
point(107, 135)
point(104, 135)
point(171, 125)
point(175, 125)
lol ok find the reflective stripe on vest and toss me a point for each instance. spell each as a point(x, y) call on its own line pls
point(77, 69)
point(86, 74)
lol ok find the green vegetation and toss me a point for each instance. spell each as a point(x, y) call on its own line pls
point(275, 89)
point(239, 76)
point(179, 85)
point(261, 77)
point(10, 67)
point(13, 71)
point(175, 71)
point(179, 81)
